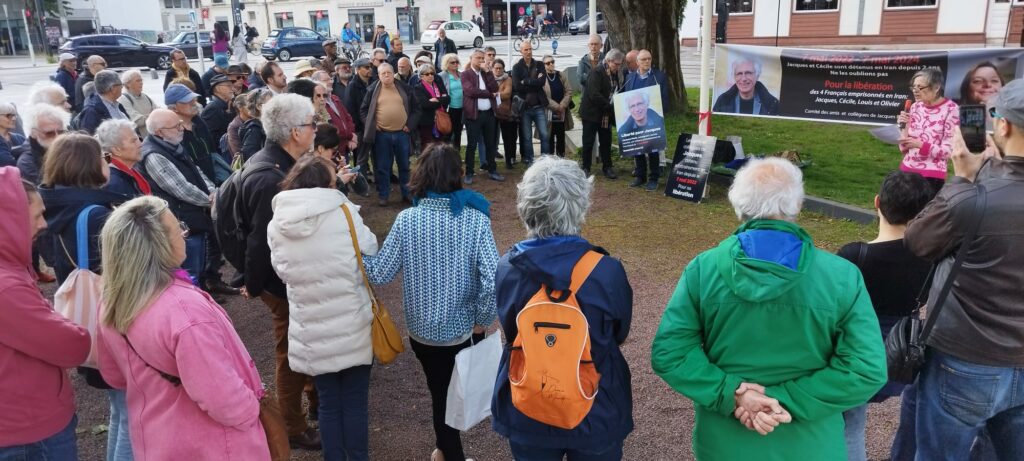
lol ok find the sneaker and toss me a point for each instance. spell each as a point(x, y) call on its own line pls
point(636, 183)
point(496, 177)
point(468, 179)
point(43, 277)
point(308, 440)
point(652, 185)
point(610, 173)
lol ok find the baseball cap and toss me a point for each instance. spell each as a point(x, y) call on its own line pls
point(67, 57)
point(1009, 102)
point(218, 79)
point(176, 93)
point(361, 62)
point(220, 61)
point(330, 42)
point(423, 59)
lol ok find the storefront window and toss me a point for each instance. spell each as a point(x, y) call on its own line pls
point(321, 22)
point(285, 19)
point(737, 6)
point(909, 3)
point(817, 5)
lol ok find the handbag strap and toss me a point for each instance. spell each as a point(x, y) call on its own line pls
point(176, 381)
point(975, 222)
point(81, 239)
point(863, 253)
point(359, 254)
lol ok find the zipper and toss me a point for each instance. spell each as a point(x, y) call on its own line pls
point(561, 326)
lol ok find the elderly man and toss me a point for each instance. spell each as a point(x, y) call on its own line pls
point(273, 76)
point(217, 114)
point(288, 119)
point(528, 81)
point(342, 76)
point(747, 95)
point(405, 74)
point(102, 104)
point(598, 113)
point(330, 47)
point(479, 100)
point(379, 56)
point(47, 92)
point(238, 76)
point(646, 76)
point(631, 61)
point(443, 46)
point(123, 149)
point(43, 123)
point(197, 141)
point(396, 54)
point(66, 73)
point(592, 59)
point(137, 104)
point(767, 329)
point(355, 94)
point(93, 65)
point(390, 113)
point(181, 71)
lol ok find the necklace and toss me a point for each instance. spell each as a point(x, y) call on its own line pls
point(552, 78)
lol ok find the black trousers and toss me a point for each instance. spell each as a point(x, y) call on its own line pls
point(590, 131)
point(558, 138)
point(485, 125)
point(455, 138)
point(510, 137)
point(438, 363)
point(644, 161)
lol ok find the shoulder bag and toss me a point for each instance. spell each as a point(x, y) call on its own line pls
point(443, 122)
point(906, 342)
point(78, 298)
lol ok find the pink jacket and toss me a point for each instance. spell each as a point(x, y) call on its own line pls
point(934, 126)
point(36, 343)
point(214, 413)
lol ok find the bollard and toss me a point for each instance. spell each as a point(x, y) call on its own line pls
point(1, 85)
point(152, 73)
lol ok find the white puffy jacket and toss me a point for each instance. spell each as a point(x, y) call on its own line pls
point(329, 307)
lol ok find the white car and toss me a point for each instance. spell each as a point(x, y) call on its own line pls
point(465, 34)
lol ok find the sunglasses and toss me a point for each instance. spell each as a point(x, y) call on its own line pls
point(549, 63)
point(992, 113)
point(320, 96)
point(10, 116)
point(426, 74)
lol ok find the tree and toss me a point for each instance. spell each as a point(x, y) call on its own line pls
point(652, 25)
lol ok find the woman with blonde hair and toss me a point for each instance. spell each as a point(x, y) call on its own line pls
point(171, 347)
point(449, 76)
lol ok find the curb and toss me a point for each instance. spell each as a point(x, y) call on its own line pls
point(818, 205)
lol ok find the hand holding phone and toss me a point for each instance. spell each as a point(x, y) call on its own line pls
point(972, 127)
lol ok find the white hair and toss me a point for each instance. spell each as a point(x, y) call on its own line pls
point(129, 75)
point(8, 108)
point(111, 133)
point(553, 197)
point(377, 51)
point(284, 112)
point(769, 188)
point(36, 112)
point(746, 60)
point(639, 94)
point(47, 92)
point(614, 55)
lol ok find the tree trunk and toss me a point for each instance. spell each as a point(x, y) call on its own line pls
point(652, 25)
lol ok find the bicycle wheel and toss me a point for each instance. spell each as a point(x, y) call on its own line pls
point(535, 42)
point(254, 48)
point(517, 43)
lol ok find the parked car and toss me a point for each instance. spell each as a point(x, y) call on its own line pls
point(284, 44)
point(582, 25)
point(186, 41)
point(463, 33)
point(119, 51)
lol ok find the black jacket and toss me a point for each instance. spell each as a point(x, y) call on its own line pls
point(62, 207)
point(197, 217)
point(66, 81)
point(726, 102)
point(258, 193)
point(597, 97)
point(355, 93)
point(30, 160)
point(95, 112)
point(253, 137)
point(528, 83)
point(338, 88)
point(200, 146)
point(393, 60)
point(217, 117)
point(368, 111)
point(427, 107)
point(442, 49)
point(79, 96)
point(196, 79)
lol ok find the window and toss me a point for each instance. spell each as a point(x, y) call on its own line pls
point(817, 5)
point(128, 42)
point(252, 15)
point(909, 3)
point(320, 22)
point(735, 6)
point(285, 19)
point(167, 4)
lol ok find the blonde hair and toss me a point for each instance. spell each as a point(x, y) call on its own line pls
point(138, 261)
point(446, 60)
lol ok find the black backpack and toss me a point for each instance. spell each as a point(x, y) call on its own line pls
point(230, 218)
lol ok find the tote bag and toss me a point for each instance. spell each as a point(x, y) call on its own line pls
point(78, 298)
point(472, 384)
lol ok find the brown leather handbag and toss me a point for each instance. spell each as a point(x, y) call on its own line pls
point(387, 342)
point(443, 122)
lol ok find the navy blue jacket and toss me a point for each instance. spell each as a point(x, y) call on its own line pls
point(66, 81)
point(94, 113)
point(7, 150)
point(655, 77)
point(122, 183)
point(62, 207)
point(606, 299)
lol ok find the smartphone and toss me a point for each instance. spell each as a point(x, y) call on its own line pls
point(972, 126)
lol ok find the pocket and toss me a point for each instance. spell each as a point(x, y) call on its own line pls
point(967, 391)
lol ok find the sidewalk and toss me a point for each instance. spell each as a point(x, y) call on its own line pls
point(23, 62)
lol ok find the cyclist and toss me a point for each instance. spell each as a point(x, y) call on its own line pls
point(549, 24)
point(351, 41)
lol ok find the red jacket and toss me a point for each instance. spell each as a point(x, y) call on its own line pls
point(341, 120)
point(36, 343)
point(471, 92)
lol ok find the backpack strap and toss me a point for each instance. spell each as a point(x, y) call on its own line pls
point(580, 272)
point(82, 236)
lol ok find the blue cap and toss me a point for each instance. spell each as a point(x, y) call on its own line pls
point(220, 60)
point(176, 93)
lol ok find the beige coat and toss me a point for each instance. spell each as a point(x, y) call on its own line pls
point(564, 103)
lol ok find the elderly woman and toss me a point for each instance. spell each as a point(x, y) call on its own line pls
point(431, 95)
point(135, 102)
point(552, 201)
point(329, 332)
point(450, 76)
point(767, 329)
point(8, 138)
point(47, 92)
point(252, 134)
point(448, 296)
point(171, 347)
point(122, 149)
point(507, 124)
point(932, 121)
point(559, 94)
point(234, 138)
point(336, 113)
point(328, 145)
point(980, 83)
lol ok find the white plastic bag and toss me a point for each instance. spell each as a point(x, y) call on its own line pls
point(469, 393)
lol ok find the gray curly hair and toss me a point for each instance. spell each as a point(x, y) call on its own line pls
point(554, 197)
point(283, 113)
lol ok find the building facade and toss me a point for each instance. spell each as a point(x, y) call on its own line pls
point(975, 23)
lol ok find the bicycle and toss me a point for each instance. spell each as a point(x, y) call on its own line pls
point(354, 50)
point(534, 41)
point(551, 32)
point(254, 47)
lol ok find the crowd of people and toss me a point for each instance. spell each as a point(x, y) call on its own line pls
point(778, 343)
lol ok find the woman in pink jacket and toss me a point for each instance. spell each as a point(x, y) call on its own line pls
point(193, 392)
point(37, 404)
point(927, 139)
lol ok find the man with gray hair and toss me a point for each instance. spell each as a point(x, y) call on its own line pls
point(93, 65)
point(768, 329)
point(747, 95)
point(289, 123)
point(390, 113)
point(43, 123)
point(592, 59)
point(48, 92)
point(598, 112)
point(102, 104)
point(404, 73)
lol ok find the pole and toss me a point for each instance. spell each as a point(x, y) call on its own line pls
point(508, 25)
point(28, 35)
point(10, 34)
point(266, 14)
point(199, 41)
point(704, 119)
point(592, 11)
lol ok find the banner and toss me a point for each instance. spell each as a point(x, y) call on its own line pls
point(867, 87)
point(640, 121)
point(691, 165)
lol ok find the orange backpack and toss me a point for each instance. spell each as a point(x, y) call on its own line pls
point(553, 377)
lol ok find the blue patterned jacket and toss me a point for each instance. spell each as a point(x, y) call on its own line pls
point(447, 264)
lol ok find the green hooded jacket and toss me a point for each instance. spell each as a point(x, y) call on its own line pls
point(809, 335)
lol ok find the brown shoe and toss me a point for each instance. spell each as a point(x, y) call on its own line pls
point(308, 440)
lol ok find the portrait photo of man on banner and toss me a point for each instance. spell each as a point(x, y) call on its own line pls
point(639, 116)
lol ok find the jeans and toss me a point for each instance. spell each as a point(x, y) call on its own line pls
point(290, 384)
point(604, 135)
point(390, 148)
point(645, 162)
point(535, 115)
point(558, 138)
point(438, 363)
point(855, 419)
point(61, 446)
point(195, 258)
point(526, 453)
point(344, 413)
point(958, 400)
point(119, 445)
point(482, 131)
point(509, 136)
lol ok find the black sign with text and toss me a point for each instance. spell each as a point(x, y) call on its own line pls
point(690, 167)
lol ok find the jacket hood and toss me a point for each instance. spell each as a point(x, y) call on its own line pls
point(764, 259)
point(64, 203)
point(300, 212)
point(550, 260)
point(17, 249)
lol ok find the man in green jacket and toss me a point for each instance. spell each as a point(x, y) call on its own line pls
point(767, 333)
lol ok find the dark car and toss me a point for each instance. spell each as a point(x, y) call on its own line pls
point(284, 44)
point(186, 42)
point(582, 25)
point(119, 51)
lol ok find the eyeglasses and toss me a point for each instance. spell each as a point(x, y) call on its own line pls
point(50, 134)
point(424, 74)
point(184, 229)
point(320, 96)
point(182, 58)
point(915, 88)
point(238, 78)
point(10, 116)
point(179, 127)
point(310, 124)
point(549, 63)
point(992, 113)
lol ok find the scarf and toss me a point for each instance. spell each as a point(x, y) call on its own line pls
point(434, 93)
point(140, 181)
point(461, 198)
point(503, 77)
